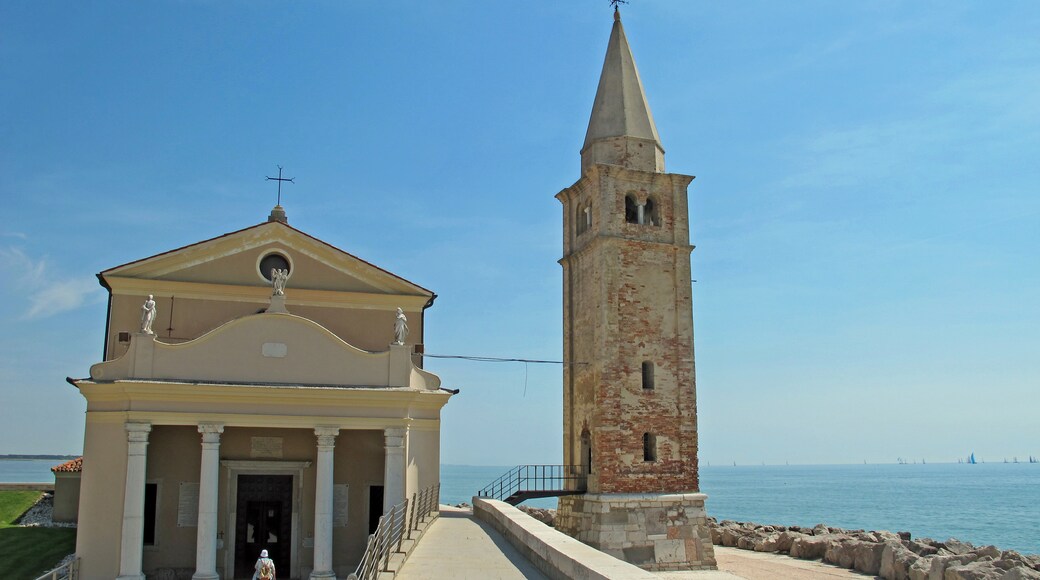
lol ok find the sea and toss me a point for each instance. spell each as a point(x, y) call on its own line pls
point(986, 503)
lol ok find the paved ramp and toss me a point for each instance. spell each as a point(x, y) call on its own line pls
point(459, 547)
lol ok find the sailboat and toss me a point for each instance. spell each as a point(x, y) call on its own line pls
point(971, 459)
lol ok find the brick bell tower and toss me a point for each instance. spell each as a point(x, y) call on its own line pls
point(630, 405)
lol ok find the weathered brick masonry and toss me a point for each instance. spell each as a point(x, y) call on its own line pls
point(630, 400)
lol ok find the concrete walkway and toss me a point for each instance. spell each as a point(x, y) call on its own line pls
point(457, 546)
point(460, 547)
point(765, 566)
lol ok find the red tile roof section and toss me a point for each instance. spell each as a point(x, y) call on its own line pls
point(70, 466)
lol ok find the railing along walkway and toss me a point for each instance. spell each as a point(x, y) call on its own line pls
point(68, 571)
point(396, 534)
point(525, 482)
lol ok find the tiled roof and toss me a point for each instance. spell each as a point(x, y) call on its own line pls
point(70, 466)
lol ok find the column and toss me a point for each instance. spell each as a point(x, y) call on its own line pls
point(641, 213)
point(132, 541)
point(323, 503)
point(393, 475)
point(206, 534)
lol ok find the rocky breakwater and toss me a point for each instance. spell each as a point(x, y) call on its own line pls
point(892, 556)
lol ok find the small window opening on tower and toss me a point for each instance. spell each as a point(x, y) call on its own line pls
point(649, 447)
point(583, 219)
point(631, 210)
point(650, 216)
point(648, 375)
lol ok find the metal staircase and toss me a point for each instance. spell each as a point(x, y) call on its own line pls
point(525, 482)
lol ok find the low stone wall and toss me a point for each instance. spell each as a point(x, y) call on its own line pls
point(26, 487)
point(892, 556)
point(556, 554)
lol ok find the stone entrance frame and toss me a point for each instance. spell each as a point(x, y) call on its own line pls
point(234, 468)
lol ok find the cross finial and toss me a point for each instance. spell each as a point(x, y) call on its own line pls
point(280, 179)
point(616, 3)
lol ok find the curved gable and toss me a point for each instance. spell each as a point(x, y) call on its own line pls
point(266, 349)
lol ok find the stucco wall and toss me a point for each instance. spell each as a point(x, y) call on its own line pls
point(367, 329)
point(66, 497)
point(101, 498)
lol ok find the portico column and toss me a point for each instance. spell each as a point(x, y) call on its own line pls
point(132, 540)
point(206, 534)
point(323, 503)
point(393, 474)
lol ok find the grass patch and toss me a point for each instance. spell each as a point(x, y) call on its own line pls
point(14, 503)
point(29, 552)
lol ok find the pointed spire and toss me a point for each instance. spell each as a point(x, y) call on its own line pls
point(621, 128)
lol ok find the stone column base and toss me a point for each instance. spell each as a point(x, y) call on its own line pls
point(653, 531)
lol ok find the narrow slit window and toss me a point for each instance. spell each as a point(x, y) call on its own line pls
point(649, 447)
point(648, 375)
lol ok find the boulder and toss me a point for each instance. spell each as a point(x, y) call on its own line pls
point(923, 547)
point(973, 571)
point(841, 552)
point(768, 543)
point(786, 539)
point(868, 557)
point(920, 570)
point(1021, 573)
point(988, 551)
point(958, 547)
point(896, 560)
point(820, 529)
point(731, 535)
point(813, 547)
point(940, 563)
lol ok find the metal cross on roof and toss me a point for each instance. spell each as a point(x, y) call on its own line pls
point(616, 3)
point(280, 179)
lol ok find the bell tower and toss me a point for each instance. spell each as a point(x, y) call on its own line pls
point(630, 406)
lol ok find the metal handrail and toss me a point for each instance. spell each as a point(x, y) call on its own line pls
point(68, 571)
point(396, 526)
point(536, 479)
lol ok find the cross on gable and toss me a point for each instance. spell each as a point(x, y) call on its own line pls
point(280, 179)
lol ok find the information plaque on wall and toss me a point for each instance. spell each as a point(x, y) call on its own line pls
point(265, 447)
point(188, 505)
point(339, 505)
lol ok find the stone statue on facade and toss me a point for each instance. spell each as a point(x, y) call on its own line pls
point(400, 327)
point(147, 315)
point(279, 278)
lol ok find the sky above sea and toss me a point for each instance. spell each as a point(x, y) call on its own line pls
point(865, 211)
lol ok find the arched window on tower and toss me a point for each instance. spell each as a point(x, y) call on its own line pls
point(649, 447)
point(631, 210)
point(648, 375)
point(579, 221)
point(650, 213)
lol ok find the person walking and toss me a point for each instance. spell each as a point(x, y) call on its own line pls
point(264, 567)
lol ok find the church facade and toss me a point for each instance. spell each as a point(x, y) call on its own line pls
point(259, 390)
point(630, 402)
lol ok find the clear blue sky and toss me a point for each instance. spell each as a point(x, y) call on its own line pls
point(866, 210)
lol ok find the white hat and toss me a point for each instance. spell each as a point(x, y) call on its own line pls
point(263, 553)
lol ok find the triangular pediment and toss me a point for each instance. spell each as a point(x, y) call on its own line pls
point(234, 259)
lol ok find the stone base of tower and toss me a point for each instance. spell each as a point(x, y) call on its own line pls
point(653, 531)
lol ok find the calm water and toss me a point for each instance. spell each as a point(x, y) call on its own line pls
point(28, 470)
point(991, 503)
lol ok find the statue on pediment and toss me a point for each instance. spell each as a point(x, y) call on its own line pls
point(400, 327)
point(278, 278)
point(147, 315)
